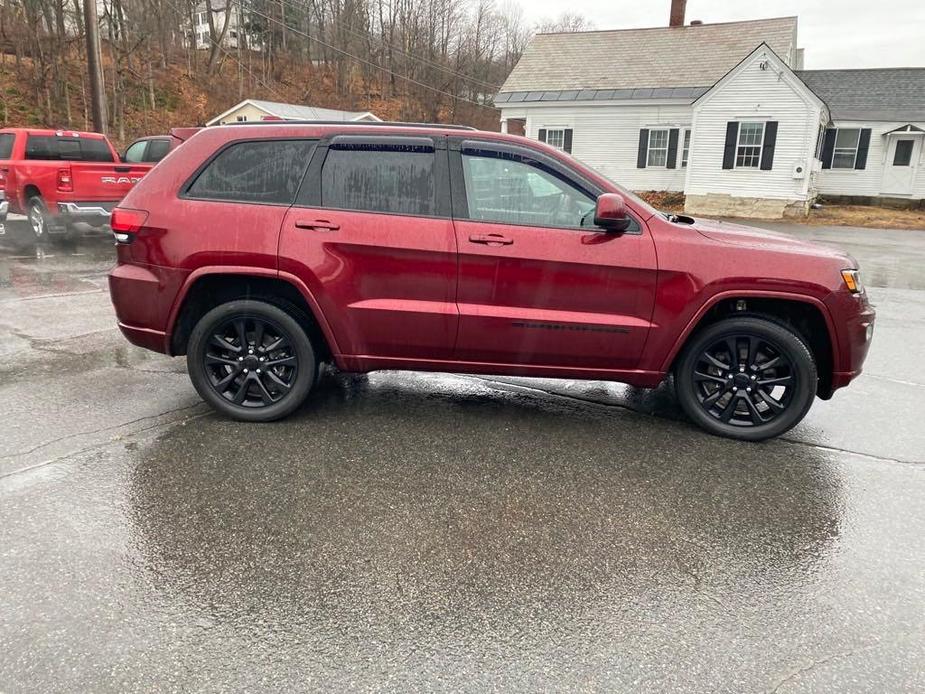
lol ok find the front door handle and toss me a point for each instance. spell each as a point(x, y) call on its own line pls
point(491, 239)
point(317, 225)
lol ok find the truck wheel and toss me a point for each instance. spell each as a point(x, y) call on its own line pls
point(251, 360)
point(38, 218)
point(748, 378)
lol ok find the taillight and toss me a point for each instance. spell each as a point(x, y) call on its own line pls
point(65, 182)
point(3, 178)
point(126, 223)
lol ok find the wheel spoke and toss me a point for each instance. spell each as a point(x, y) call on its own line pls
point(753, 411)
point(730, 407)
point(282, 361)
point(223, 361)
point(258, 333)
point(275, 345)
point(265, 394)
point(700, 376)
point(223, 344)
point(716, 362)
point(771, 402)
point(240, 328)
point(732, 344)
point(278, 381)
point(223, 384)
point(242, 391)
point(752, 356)
point(780, 380)
point(769, 364)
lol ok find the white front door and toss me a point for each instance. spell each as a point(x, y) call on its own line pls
point(902, 160)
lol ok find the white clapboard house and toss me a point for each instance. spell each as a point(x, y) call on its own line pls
point(723, 113)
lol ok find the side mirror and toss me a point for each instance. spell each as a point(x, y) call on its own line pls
point(610, 212)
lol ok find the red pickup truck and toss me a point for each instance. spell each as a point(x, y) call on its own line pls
point(60, 177)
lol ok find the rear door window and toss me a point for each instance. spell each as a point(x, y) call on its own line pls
point(258, 171)
point(55, 148)
point(387, 175)
point(6, 145)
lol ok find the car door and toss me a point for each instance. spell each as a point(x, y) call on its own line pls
point(539, 284)
point(371, 235)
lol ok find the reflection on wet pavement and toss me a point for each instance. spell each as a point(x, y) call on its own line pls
point(433, 531)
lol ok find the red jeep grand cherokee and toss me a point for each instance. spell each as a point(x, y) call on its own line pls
point(263, 250)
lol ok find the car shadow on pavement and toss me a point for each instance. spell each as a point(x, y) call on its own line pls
point(436, 509)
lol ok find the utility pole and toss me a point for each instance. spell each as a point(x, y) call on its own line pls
point(97, 93)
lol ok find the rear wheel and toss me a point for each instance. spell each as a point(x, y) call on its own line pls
point(38, 218)
point(746, 378)
point(251, 360)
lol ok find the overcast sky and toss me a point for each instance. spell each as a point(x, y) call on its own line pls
point(835, 33)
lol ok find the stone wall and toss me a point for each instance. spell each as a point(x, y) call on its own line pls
point(724, 205)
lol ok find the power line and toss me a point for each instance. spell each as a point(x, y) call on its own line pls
point(426, 61)
point(370, 63)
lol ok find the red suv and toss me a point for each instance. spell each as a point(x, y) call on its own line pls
point(263, 250)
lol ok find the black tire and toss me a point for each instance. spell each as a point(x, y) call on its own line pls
point(761, 392)
point(223, 367)
point(37, 214)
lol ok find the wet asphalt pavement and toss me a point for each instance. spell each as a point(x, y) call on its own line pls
point(440, 532)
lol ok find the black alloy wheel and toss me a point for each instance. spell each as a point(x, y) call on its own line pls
point(747, 378)
point(251, 360)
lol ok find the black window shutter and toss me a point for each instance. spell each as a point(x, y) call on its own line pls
point(672, 162)
point(828, 148)
point(542, 134)
point(567, 141)
point(729, 151)
point(767, 147)
point(643, 149)
point(863, 146)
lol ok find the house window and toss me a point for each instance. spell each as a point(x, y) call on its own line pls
point(903, 154)
point(846, 148)
point(658, 148)
point(242, 119)
point(556, 138)
point(748, 149)
point(685, 150)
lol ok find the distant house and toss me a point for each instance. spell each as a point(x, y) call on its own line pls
point(723, 113)
point(236, 18)
point(251, 110)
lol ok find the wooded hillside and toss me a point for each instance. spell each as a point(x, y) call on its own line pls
point(179, 62)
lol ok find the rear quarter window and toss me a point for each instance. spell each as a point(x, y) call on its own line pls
point(264, 171)
point(6, 145)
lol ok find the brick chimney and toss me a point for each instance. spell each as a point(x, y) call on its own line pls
point(677, 13)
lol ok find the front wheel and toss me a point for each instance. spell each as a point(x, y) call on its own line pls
point(747, 378)
point(251, 360)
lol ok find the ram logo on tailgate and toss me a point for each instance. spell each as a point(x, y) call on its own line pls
point(117, 180)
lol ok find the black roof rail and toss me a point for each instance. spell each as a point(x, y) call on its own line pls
point(354, 122)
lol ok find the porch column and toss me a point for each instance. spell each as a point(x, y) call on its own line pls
point(504, 125)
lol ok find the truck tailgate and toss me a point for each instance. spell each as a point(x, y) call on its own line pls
point(104, 181)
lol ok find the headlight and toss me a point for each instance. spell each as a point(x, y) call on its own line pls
point(852, 280)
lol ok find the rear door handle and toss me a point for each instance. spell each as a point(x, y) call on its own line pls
point(317, 225)
point(491, 239)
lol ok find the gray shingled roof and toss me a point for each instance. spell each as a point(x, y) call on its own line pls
point(660, 59)
point(883, 94)
point(299, 112)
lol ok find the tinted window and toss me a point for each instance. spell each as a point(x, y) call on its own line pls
point(157, 150)
point(6, 145)
point(267, 171)
point(507, 190)
point(134, 153)
point(53, 148)
point(391, 179)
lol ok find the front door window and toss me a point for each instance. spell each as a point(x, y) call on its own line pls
point(903, 154)
point(514, 192)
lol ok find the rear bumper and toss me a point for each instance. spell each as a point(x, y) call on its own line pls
point(95, 214)
point(155, 340)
